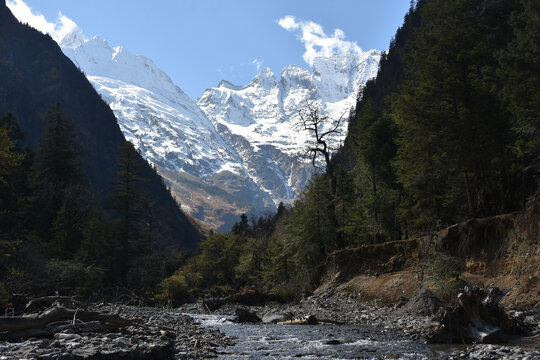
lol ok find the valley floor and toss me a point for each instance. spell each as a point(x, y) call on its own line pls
point(171, 334)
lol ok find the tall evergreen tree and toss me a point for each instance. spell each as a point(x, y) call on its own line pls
point(60, 189)
point(9, 161)
point(313, 227)
point(128, 202)
point(241, 227)
point(374, 212)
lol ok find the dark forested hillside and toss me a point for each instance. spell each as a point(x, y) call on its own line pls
point(390, 73)
point(441, 135)
point(34, 76)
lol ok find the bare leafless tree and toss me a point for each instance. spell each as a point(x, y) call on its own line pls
point(323, 128)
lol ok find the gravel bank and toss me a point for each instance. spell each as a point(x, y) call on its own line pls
point(164, 334)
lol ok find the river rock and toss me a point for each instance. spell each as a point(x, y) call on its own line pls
point(402, 301)
point(332, 342)
point(423, 303)
point(274, 318)
point(245, 316)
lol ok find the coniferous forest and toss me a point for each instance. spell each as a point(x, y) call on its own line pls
point(448, 130)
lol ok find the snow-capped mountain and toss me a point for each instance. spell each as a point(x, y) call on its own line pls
point(166, 126)
point(157, 116)
point(261, 119)
point(236, 148)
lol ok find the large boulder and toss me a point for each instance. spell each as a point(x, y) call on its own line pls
point(245, 316)
point(424, 303)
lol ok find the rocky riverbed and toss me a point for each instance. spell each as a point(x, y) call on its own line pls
point(415, 319)
point(163, 334)
point(171, 334)
point(334, 306)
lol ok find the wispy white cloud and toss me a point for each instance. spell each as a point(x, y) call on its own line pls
point(60, 28)
point(316, 41)
point(258, 63)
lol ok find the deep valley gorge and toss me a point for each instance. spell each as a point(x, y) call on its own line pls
point(364, 204)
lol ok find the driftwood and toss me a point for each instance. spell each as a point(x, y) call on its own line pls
point(477, 318)
point(307, 320)
point(58, 319)
point(49, 300)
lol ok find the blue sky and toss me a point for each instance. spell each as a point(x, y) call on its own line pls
point(200, 42)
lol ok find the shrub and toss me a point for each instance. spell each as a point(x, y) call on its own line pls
point(177, 288)
point(74, 275)
point(287, 293)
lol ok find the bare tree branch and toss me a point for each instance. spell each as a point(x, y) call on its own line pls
point(312, 119)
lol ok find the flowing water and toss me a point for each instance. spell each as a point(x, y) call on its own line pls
point(274, 341)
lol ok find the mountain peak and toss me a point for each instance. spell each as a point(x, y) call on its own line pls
point(265, 78)
point(293, 71)
point(73, 38)
point(266, 72)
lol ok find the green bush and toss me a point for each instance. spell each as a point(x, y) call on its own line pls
point(176, 288)
point(287, 293)
point(446, 272)
point(73, 274)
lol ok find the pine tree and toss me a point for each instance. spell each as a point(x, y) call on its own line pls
point(313, 227)
point(60, 189)
point(374, 212)
point(241, 227)
point(128, 203)
point(10, 160)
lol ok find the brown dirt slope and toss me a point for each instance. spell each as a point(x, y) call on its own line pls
point(501, 250)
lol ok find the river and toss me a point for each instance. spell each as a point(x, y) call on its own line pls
point(325, 341)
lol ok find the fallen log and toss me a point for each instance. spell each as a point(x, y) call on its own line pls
point(49, 300)
point(334, 322)
point(51, 330)
point(46, 324)
point(477, 318)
